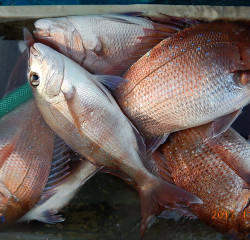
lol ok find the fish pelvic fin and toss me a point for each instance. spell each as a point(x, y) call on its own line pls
point(157, 193)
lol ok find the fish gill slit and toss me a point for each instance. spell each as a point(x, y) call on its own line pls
point(21, 183)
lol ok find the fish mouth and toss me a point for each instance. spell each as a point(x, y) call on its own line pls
point(41, 33)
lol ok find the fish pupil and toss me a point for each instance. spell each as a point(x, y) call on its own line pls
point(35, 77)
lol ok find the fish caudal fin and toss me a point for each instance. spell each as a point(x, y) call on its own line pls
point(157, 193)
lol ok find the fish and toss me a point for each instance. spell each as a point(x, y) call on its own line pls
point(63, 184)
point(84, 114)
point(26, 149)
point(196, 76)
point(209, 168)
point(105, 44)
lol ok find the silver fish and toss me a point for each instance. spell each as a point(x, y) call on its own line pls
point(104, 44)
point(84, 114)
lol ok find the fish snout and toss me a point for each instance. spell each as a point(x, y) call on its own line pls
point(44, 24)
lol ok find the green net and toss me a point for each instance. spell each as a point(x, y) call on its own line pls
point(14, 99)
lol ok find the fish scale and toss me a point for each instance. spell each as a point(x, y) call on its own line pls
point(85, 115)
point(204, 168)
point(26, 147)
point(187, 79)
point(105, 44)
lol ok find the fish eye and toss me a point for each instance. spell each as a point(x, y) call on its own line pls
point(34, 79)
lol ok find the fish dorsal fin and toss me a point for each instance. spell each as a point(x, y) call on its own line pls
point(112, 82)
point(174, 21)
point(118, 19)
point(221, 124)
point(130, 14)
point(28, 38)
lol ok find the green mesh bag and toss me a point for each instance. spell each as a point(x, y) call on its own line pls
point(15, 98)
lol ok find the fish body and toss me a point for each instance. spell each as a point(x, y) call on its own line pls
point(62, 186)
point(26, 148)
point(102, 44)
point(189, 79)
point(203, 167)
point(85, 115)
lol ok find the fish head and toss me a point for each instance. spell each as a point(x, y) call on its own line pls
point(10, 207)
point(45, 72)
point(61, 35)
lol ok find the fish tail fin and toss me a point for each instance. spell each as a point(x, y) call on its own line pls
point(157, 193)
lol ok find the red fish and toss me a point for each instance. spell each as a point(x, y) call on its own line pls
point(212, 169)
point(198, 75)
point(26, 148)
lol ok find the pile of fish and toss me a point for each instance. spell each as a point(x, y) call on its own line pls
point(108, 90)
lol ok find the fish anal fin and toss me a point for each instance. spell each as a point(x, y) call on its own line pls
point(46, 195)
point(221, 124)
point(50, 216)
point(159, 193)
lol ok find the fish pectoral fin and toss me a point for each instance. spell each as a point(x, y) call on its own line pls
point(94, 44)
point(154, 142)
point(242, 77)
point(221, 124)
point(159, 193)
point(71, 97)
point(112, 82)
point(68, 90)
